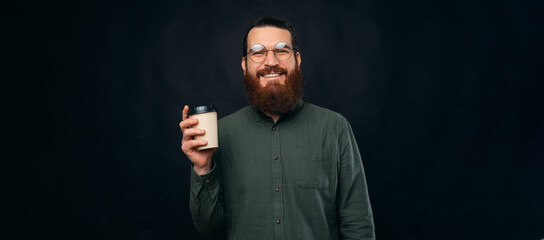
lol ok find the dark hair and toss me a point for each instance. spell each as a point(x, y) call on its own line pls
point(271, 22)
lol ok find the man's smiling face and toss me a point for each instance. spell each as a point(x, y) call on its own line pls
point(271, 71)
point(272, 86)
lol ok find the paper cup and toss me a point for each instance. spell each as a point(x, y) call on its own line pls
point(207, 120)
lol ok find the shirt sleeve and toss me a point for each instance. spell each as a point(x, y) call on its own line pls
point(353, 203)
point(206, 202)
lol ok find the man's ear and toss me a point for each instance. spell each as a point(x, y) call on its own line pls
point(298, 58)
point(244, 63)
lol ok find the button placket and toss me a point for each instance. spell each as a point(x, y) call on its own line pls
point(277, 170)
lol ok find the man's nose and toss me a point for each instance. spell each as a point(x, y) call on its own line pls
point(270, 59)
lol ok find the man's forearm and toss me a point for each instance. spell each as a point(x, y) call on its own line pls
point(354, 209)
point(206, 203)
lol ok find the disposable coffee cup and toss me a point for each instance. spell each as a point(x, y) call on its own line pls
point(207, 120)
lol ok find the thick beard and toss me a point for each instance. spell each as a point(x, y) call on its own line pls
point(275, 98)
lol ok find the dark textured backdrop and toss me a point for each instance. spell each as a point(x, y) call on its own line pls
point(444, 99)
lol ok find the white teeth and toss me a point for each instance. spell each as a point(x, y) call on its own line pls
point(271, 75)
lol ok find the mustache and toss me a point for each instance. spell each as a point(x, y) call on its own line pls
point(272, 69)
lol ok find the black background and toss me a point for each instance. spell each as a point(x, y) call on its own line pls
point(444, 98)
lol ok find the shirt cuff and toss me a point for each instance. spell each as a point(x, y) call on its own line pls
point(208, 180)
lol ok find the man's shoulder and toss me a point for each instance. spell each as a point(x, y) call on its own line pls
point(242, 114)
point(328, 121)
point(318, 112)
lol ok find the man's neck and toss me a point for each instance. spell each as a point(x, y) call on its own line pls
point(274, 117)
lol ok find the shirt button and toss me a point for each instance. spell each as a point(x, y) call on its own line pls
point(275, 157)
point(274, 128)
point(207, 181)
point(277, 189)
point(278, 221)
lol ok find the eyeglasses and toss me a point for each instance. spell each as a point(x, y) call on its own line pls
point(282, 51)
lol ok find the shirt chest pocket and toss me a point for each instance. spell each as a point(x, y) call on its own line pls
point(312, 167)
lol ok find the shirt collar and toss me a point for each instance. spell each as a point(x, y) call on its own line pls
point(258, 115)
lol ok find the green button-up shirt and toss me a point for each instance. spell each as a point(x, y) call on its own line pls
point(299, 178)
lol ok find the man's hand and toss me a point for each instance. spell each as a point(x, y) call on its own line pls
point(202, 160)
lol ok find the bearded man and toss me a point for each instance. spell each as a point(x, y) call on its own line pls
point(285, 169)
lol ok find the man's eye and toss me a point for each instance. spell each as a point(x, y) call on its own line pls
point(259, 53)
